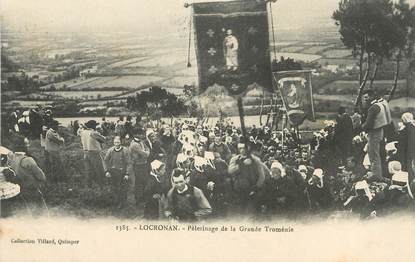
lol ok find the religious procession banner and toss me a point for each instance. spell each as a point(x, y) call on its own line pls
point(232, 45)
point(297, 93)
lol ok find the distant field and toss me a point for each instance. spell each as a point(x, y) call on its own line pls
point(100, 102)
point(404, 103)
point(283, 43)
point(315, 43)
point(135, 64)
point(162, 51)
point(128, 81)
point(97, 81)
point(176, 91)
point(164, 60)
point(187, 71)
point(338, 61)
point(291, 49)
point(339, 98)
point(138, 46)
point(180, 81)
point(70, 83)
point(314, 49)
point(37, 96)
point(337, 53)
point(341, 86)
point(127, 62)
point(28, 104)
point(83, 94)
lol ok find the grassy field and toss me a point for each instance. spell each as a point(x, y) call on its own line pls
point(291, 49)
point(164, 60)
point(337, 61)
point(26, 104)
point(127, 62)
point(73, 83)
point(315, 49)
point(180, 81)
point(337, 53)
point(127, 81)
point(403, 104)
point(83, 94)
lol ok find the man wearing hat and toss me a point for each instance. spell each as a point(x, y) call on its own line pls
point(116, 162)
point(218, 146)
point(91, 141)
point(138, 166)
point(152, 142)
point(153, 191)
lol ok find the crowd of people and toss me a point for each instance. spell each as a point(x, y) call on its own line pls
point(189, 171)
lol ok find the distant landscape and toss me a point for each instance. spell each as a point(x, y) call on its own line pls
point(99, 71)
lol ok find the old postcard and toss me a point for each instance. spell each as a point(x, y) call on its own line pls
point(207, 130)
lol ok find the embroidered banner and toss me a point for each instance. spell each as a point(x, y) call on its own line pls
point(232, 45)
point(297, 94)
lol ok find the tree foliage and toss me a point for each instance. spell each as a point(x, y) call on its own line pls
point(286, 64)
point(156, 102)
point(375, 30)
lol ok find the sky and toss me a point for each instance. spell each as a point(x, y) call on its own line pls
point(141, 16)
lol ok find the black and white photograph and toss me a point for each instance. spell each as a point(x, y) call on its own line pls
point(156, 130)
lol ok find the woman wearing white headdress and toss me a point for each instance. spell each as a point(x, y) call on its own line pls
point(406, 145)
point(399, 194)
point(153, 191)
point(361, 202)
point(319, 190)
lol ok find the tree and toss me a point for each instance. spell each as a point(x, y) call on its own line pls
point(286, 64)
point(156, 102)
point(404, 18)
point(367, 28)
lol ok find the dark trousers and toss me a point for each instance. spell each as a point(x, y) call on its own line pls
point(244, 205)
point(119, 186)
point(141, 177)
point(151, 209)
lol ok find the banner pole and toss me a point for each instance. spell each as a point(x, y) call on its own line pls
point(241, 118)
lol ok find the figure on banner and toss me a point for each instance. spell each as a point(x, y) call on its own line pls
point(293, 98)
point(230, 46)
point(294, 93)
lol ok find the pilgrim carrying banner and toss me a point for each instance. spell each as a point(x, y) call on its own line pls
point(297, 93)
point(232, 45)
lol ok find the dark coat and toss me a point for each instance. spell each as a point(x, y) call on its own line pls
point(343, 133)
point(406, 149)
point(151, 205)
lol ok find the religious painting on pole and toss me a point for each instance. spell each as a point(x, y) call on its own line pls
point(297, 94)
point(232, 45)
